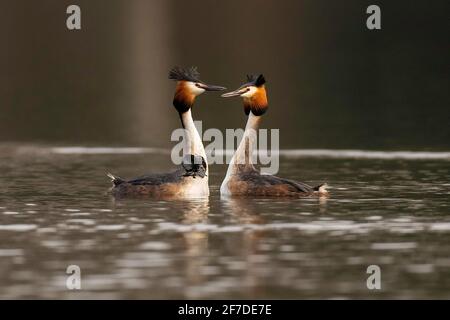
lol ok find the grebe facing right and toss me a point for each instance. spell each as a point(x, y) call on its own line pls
point(191, 179)
point(242, 179)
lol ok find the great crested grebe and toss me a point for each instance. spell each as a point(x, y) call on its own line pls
point(242, 178)
point(191, 178)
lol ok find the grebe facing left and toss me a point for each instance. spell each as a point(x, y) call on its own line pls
point(242, 179)
point(191, 178)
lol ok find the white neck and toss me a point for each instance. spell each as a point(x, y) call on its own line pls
point(244, 152)
point(193, 142)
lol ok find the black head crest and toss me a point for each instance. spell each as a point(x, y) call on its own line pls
point(181, 74)
point(260, 80)
point(257, 81)
point(251, 78)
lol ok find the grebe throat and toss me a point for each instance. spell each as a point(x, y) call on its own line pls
point(193, 143)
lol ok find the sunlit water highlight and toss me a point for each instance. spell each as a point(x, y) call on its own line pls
point(323, 153)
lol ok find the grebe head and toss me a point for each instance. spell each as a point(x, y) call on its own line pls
point(253, 92)
point(189, 86)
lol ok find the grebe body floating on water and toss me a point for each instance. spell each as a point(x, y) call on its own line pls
point(242, 179)
point(191, 178)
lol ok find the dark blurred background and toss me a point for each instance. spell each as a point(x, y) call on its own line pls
point(332, 83)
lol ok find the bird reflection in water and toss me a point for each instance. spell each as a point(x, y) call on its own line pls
point(248, 213)
point(196, 240)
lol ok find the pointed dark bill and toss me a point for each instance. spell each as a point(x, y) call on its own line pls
point(209, 87)
point(235, 93)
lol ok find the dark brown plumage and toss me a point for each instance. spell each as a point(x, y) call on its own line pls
point(161, 184)
point(155, 185)
point(247, 181)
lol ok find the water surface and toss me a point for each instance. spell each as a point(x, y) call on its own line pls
point(391, 211)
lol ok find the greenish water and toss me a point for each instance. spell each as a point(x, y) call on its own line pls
point(54, 212)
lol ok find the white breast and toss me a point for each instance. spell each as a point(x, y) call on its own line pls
point(197, 187)
point(224, 190)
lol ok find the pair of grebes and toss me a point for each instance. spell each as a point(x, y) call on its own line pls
point(191, 178)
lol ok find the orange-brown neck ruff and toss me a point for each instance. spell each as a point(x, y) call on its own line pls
point(183, 99)
point(257, 103)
